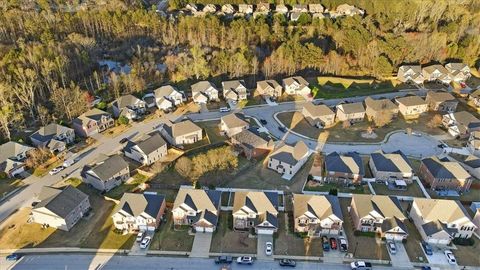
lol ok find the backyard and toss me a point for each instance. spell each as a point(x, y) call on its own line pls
point(212, 130)
point(225, 240)
point(412, 190)
point(172, 240)
point(326, 187)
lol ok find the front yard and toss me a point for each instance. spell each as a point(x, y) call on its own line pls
point(468, 255)
point(412, 190)
point(7, 185)
point(228, 241)
point(172, 240)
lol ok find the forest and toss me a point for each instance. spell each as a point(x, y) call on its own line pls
point(49, 57)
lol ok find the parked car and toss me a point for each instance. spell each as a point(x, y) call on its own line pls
point(268, 248)
point(223, 259)
point(124, 140)
point(140, 236)
point(56, 170)
point(463, 85)
point(263, 121)
point(287, 262)
point(245, 260)
point(282, 129)
point(325, 244)
point(333, 243)
point(145, 242)
point(392, 248)
point(224, 109)
point(360, 265)
point(13, 257)
point(450, 257)
point(426, 268)
point(343, 244)
point(427, 248)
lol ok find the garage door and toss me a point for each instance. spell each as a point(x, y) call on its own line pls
point(209, 229)
point(264, 231)
point(393, 236)
point(199, 229)
point(142, 228)
point(151, 228)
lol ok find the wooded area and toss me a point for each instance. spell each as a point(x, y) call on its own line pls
point(49, 67)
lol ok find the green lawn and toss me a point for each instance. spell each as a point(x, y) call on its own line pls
point(172, 240)
point(412, 190)
point(212, 130)
point(288, 243)
point(118, 192)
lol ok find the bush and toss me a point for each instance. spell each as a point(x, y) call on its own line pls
point(366, 234)
point(333, 191)
point(464, 241)
point(123, 120)
point(102, 105)
point(302, 235)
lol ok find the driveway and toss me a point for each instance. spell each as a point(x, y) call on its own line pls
point(400, 259)
point(201, 245)
point(262, 239)
point(438, 257)
point(136, 250)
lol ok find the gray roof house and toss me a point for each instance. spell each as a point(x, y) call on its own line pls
point(317, 214)
point(441, 101)
point(92, 122)
point(148, 150)
point(60, 208)
point(459, 72)
point(233, 123)
point(461, 123)
point(251, 143)
point(345, 168)
point(296, 85)
point(167, 97)
point(319, 116)
point(392, 167)
point(203, 92)
point(107, 173)
point(128, 106)
point(376, 108)
point(234, 90)
point(436, 73)
point(12, 157)
point(53, 136)
point(184, 132)
point(256, 210)
point(269, 88)
point(287, 160)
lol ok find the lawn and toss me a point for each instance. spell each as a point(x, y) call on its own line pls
point(43, 169)
point(413, 247)
point(7, 185)
point(357, 244)
point(326, 187)
point(226, 240)
point(128, 186)
point(468, 255)
point(172, 240)
point(116, 130)
point(412, 190)
point(212, 130)
point(472, 196)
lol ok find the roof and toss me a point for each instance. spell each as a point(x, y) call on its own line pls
point(430, 69)
point(107, 168)
point(433, 227)
point(445, 169)
point(46, 133)
point(290, 154)
point(234, 120)
point(198, 199)
point(392, 162)
point(393, 222)
point(456, 66)
point(350, 108)
point(320, 206)
point(12, 149)
point(233, 85)
point(181, 128)
point(61, 202)
point(137, 203)
point(440, 96)
point(250, 139)
point(126, 101)
point(386, 206)
point(317, 110)
point(164, 91)
point(445, 211)
point(472, 161)
point(150, 144)
point(464, 120)
point(475, 94)
point(411, 101)
point(296, 79)
point(267, 84)
point(91, 115)
point(380, 104)
point(202, 86)
point(350, 162)
point(257, 201)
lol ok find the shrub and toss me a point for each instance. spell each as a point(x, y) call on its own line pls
point(366, 234)
point(333, 191)
point(123, 120)
point(464, 241)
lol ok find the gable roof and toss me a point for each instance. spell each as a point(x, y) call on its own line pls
point(350, 108)
point(257, 201)
point(61, 202)
point(126, 101)
point(91, 115)
point(317, 110)
point(386, 206)
point(148, 145)
point(233, 85)
point(380, 104)
point(12, 149)
point(295, 79)
point(107, 168)
point(201, 86)
point(137, 203)
point(250, 139)
point(392, 162)
point(464, 120)
point(181, 128)
point(440, 96)
point(393, 222)
point(46, 133)
point(234, 120)
point(445, 211)
point(432, 68)
point(472, 161)
point(350, 162)
point(411, 101)
point(198, 199)
point(445, 169)
point(267, 84)
point(321, 206)
point(290, 154)
point(165, 91)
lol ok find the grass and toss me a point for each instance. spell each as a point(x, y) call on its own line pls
point(226, 240)
point(255, 100)
point(288, 243)
point(43, 169)
point(412, 190)
point(414, 250)
point(7, 185)
point(129, 186)
point(212, 130)
point(169, 239)
point(326, 187)
point(468, 255)
point(472, 196)
point(116, 130)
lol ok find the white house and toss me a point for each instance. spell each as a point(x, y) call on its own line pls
point(287, 160)
point(296, 85)
point(233, 123)
point(203, 92)
point(167, 97)
point(147, 151)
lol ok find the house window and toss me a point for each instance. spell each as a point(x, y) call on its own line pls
point(251, 223)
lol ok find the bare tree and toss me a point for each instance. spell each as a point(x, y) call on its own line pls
point(435, 121)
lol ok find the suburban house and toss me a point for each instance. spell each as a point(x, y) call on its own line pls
point(287, 160)
point(228, 9)
point(408, 74)
point(440, 221)
point(441, 101)
point(375, 109)
point(411, 106)
point(351, 112)
point(296, 85)
point(459, 72)
point(436, 73)
point(471, 163)
point(320, 116)
point(476, 221)
point(184, 132)
point(344, 168)
point(378, 213)
point(300, 8)
point(255, 210)
point(148, 150)
point(167, 97)
point(139, 212)
point(197, 208)
point(317, 215)
point(348, 10)
point(60, 208)
point(393, 167)
point(474, 98)
point(12, 157)
point(269, 88)
point(473, 143)
point(315, 8)
point(252, 145)
point(150, 100)
point(107, 173)
point(203, 92)
point(54, 137)
point(128, 106)
point(210, 8)
point(234, 90)
point(282, 9)
point(443, 174)
point(233, 123)
point(245, 8)
point(92, 122)
point(461, 123)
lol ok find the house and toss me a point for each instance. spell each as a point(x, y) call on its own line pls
point(474, 98)
point(472, 165)
point(440, 221)
point(269, 88)
point(245, 9)
point(203, 92)
point(184, 132)
point(461, 123)
point(391, 167)
point(410, 74)
point(320, 116)
point(344, 168)
point(197, 208)
point(263, 8)
point(54, 137)
point(150, 100)
point(92, 122)
point(378, 213)
point(473, 143)
point(167, 97)
point(210, 8)
point(233, 123)
point(296, 85)
point(255, 210)
point(295, 16)
point(128, 106)
point(252, 145)
point(148, 150)
point(443, 174)
point(315, 8)
point(317, 215)
point(287, 160)
point(441, 101)
point(436, 73)
point(375, 109)
point(228, 9)
point(459, 72)
point(234, 90)
point(411, 106)
point(351, 112)
point(300, 8)
point(139, 212)
point(60, 208)
point(107, 173)
point(476, 221)
point(12, 157)
point(348, 10)
point(194, 8)
point(282, 9)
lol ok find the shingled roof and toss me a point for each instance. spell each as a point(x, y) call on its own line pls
point(137, 203)
point(350, 162)
point(61, 202)
point(445, 169)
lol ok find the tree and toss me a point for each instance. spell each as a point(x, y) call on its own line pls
point(123, 120)
point(199, 64)
point(184, 167)
point(435, 121)
point(37, 157)
point(383, 118)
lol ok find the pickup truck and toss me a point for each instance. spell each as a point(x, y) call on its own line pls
point(361, 265)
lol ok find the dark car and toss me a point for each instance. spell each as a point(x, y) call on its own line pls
point(325, 244)
point(426, 268)
point(427, 248)
point(263, 121)
point(333, 243)
point(223, 259)
point(282, 129)
point(13, 257)
point(287, 262)
point(124, 140)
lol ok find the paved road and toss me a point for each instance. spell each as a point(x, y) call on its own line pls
point(83, 262)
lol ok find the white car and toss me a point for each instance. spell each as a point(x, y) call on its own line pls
point(392, 247)
point(224, 109)
point(140, 236)
point(450, 257)
point(56, 170)
point(268, 248)
point(145, 242)
point(245, 260)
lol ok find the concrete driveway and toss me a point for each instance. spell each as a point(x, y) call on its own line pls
point(400, 259)
point(137, 250)
point(438, 257)
point(262, 239)
point(201, 245)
